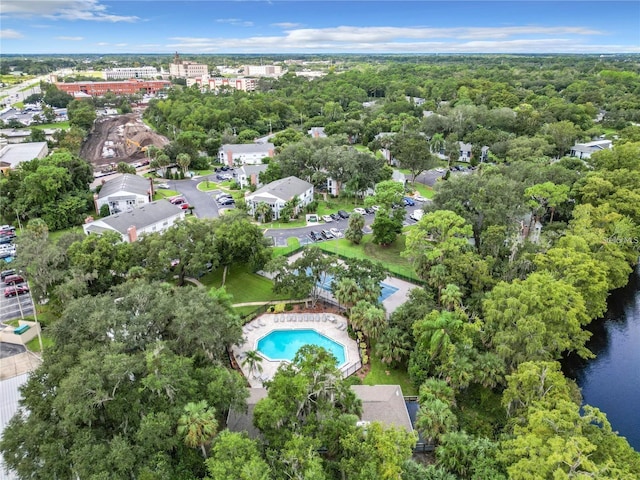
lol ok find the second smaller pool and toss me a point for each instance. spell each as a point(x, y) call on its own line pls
point(284, 344)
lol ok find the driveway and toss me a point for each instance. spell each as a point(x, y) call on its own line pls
point(204, 203)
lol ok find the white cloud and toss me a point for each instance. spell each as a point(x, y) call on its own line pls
point(8, 33)
point(70, 39)
point(102, 44)
point(88, 10)
point(236, 22)
point(286, 25)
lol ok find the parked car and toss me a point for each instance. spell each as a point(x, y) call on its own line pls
point(13, 279)
point(327, 218)
point(369, 210)
point(335, 216)
point(7, 230)
point(7, 253)
point(343, 214)
point(440, 170)
point(335, 232)
point(226, 201)
point(326, 234)
point(4, 239)
point(375, 208)
point(184, 206)
point(15, 290)
point(360, 210)
point(417, 215)
point(222, 195)
point(5, 273)
point(163, 185)
point(314, 236)
point(178, 200)
point(408, 202)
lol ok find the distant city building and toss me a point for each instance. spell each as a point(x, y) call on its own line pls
point(215, 83)
point(126, 87)
point(263, 70)
point(186, 69)
point(126, 73)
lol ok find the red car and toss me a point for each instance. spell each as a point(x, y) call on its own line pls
point(184, 206)
point(178, 200)
point(16, 290)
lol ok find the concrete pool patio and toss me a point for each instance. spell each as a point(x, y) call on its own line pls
point(328, 324)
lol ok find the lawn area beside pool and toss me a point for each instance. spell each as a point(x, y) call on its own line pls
point(292, 244)
point(243, 285)
point(381, 374)
point(389, 256)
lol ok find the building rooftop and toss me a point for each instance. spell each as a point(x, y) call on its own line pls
point(125, 183)
point(284, 189)
point(380, 403)
point(140, 217)
point(17, 153)
point(248, 147)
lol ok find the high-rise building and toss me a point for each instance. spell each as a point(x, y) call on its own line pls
point(186, 69)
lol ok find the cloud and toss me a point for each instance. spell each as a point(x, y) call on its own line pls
point(286, 25)
point(10, 34)
point(70, 39)
point(87, 10)
point(236, 22)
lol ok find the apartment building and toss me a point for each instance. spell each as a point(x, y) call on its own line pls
point(187, 69)
point(263, 70)
point(215, 83)
point(126, 87)
point(125, 73)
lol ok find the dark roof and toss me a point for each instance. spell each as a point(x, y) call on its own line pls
point(125, 183)
point(380, 403)
point(143, 216)
point(285, 188)
point(250, 169)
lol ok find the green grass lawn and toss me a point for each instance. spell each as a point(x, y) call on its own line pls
point(243, 285)
point(332, 205)
point(54, 236)
point(381, 374)
point(207, 186)
point(292, 244)
point(423, 190)
point(161, 193)
point(203, 172)
point(61, 125)
point(301, 222)
point(389, 256)
point(34, 345)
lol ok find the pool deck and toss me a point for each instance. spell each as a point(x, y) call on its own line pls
point(328, 324)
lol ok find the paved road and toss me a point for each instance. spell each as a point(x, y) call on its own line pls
point(204, 203)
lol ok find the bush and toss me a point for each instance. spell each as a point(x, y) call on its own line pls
point(234, 185)
point(312, 207)
point(104, 210)
point(288, 307)
point(279, 308)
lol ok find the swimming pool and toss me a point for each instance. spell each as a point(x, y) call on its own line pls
point(386, 292)
point(284, 344)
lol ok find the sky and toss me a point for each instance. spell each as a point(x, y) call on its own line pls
point(306, 26)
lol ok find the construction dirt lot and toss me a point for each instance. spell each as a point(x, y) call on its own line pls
point(119, 138)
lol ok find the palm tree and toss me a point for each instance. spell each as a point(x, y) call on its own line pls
point(253, 361)
point(436, 144)
point(451, 297)
point(183, 160)
point(434, 419)
point(198, 425)
point(264, 212)
point(374, 321)
point(436, 330)
point(347, 292)
point(394, 346)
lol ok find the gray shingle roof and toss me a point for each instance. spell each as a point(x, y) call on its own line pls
point(14, 154)
point(247, 147)
point(285, 188)
point(380, 403)
point(143, 216)
point(251, 169)
point(125, 183)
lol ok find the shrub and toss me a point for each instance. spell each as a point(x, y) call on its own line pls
point(279, 307)
point(104, 210)
point(288, 307)
point(312, 207)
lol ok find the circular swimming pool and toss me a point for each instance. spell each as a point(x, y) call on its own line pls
point(284, 344)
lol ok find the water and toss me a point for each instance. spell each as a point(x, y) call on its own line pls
point(284, 344)
point(611, 381)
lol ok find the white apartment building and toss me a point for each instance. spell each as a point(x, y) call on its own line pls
point(186, 69)
point(245, 153)
point(215, 83)
point(263, 70)
point(125, 73)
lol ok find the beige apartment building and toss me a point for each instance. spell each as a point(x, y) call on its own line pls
point(186, 69)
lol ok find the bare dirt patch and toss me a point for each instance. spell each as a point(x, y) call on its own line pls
point(119, 138)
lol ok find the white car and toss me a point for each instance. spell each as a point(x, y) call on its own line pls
point(420, 198)
point(359, 210)
point(336, 233)
point(375, 208)
point(327, 218)
point(440, 170)
point(163, 185)
point(417, 215)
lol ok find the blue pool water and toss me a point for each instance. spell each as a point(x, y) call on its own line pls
point(387, 290)
point(284, 344)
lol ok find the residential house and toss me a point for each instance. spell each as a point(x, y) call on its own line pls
point(398, 176)
point(124, 193)
point(250, 175)
point(12, 155)
point(245, 153)
point(380, 403)
point(279, 192)
point(466, 154)
point(154, 217)
point(385, 139)
point(585, 150)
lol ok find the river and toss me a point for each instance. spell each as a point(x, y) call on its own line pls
point(611, 381)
